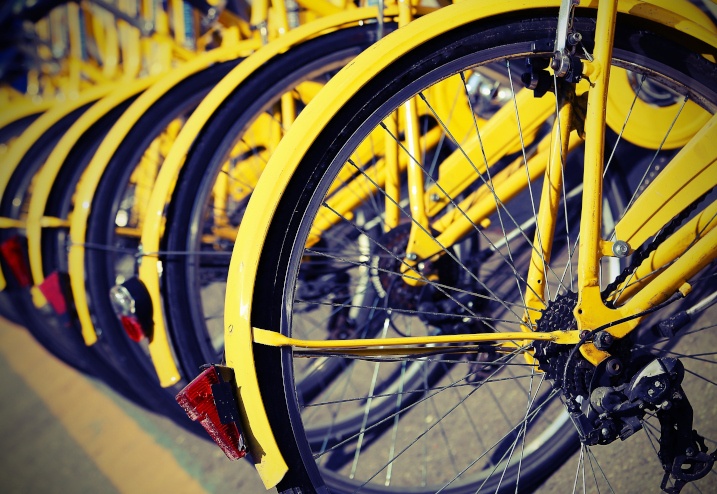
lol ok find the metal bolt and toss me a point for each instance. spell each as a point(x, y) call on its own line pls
point(613, 366)
point(690, 452)
point(658, 384)
point(411, 256)
point(574, 38)
point(620, 248)
point(605, 431)
point(435, 197)
point(603, 340)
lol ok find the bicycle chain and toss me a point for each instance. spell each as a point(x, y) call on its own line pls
point(642, 253)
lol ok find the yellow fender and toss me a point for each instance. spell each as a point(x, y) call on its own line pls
point(45, 177)
point(252, 232)
point(161, 194)
point(42, 124)
point(158, 347)
point(24, 107)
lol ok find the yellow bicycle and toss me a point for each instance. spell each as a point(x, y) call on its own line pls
point(491, 300)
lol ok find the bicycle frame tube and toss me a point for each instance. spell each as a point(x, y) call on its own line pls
point(589, 249)
point(240, 285)
point(535, 296)
point(667, 252)
point(393, 180)
point(689, 175)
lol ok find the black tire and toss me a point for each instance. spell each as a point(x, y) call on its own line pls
point(108, 249)
point(197, 339)
point(13, 204)
point(669, 58)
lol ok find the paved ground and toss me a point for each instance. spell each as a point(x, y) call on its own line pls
point(62, 432)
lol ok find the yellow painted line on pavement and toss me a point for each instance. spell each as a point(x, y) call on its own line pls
point(130, 458)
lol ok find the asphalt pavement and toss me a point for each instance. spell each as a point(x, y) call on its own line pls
point(62, 432)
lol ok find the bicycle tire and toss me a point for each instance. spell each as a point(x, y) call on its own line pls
point(13, 204)
point(452, 51)
point(128, 359)
point(187, 214)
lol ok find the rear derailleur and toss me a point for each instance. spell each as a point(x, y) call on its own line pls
point(611, 400)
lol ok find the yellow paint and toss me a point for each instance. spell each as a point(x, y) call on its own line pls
point(159, 347)
point(271, 338)
point(252, 233)
point(688, 175)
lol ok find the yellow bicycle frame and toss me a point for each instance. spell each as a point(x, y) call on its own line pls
point(239, 333)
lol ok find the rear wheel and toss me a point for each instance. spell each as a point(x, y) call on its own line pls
point(115, 220)
point(218, 178)
point(493, 422)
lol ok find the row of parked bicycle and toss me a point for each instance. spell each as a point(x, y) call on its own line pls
point(98, 181)
point(432, 235)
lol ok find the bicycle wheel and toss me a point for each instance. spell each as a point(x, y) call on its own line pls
point(112, 365)
point(117, 212)
point(204, 213)
point(493, 423)
point(13, 204)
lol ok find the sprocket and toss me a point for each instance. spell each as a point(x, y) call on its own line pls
point(553, 358)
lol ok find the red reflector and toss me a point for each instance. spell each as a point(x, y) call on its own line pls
point(14, 254)
point(133, 305)
point(132, 327)
point(202, 399)
point(51, 288)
